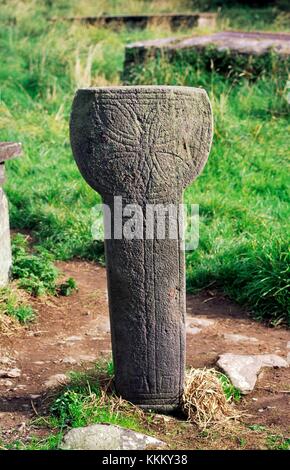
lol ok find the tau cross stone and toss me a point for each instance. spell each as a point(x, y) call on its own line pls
point(141, 146)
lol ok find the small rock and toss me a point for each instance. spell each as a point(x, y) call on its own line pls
point(39, 363)
point(108, 437)
point(68, 360)
point(73, 338)
point(87, 358)
point(234, 338)
point(203, 322)
point(20, 387)
point(56, 380)
point(243, 370)
point(192, 330)
point(10, 373)
point(6, 360)
point(34, 397)
point(6, 383)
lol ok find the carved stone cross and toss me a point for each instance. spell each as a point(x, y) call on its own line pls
point(144, 145)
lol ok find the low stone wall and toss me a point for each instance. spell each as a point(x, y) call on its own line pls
point(225, 51)
point(173, 21)
point(8, 150)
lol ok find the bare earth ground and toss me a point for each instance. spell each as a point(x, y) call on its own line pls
point(73, 332)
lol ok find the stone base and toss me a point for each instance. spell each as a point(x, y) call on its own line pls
point(162, 409)
point(5, 246)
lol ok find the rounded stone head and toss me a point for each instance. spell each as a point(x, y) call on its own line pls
point(141, 142)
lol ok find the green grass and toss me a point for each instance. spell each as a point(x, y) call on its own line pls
point(231, 392)
point(86, 401)
point(35, 271)
point(12, 305)
point(243, 195)
point(278, 442)
point(51, 442)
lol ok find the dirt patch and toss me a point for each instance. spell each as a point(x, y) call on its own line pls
point(73, 332)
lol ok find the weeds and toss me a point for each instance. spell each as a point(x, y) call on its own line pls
point(35, 272)
point(14, 306)
point(90, 398)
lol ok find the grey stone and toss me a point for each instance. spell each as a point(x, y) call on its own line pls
point(6, 383)
point(243, 370)
point(108, 437)
point(6, 360)
point(202, 322)
point(145, 145)
point(225, 51)
point(241, 42)
point(5, 248)
point(235, 338)
point(8, 150)
point(56, 380)
point(10, 373)
point(69, 360)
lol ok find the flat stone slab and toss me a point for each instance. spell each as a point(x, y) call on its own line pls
point(56, 380)
point(200, 322)
point(256, 43)
point(9, 150)
point(10, 373)
point(236, 338)
point(108, 437)
point(243, 370)
point(174, 21)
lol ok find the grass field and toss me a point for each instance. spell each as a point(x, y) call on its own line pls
point(243, 192)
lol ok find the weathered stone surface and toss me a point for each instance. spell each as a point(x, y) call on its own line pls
point(108, 437)
point(201, 322)
point(9, 150)
point(10, 373)
point(225, 51)
point(56, 380)
point(235, 338)
point(174, 21)
point(253, 43)
point(145, 144)
point(5, 248)
point(243, 370)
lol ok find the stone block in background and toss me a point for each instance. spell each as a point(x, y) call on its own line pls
point(8, 151)
point(225, 52)
point(5, 248)
point(173, 21)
